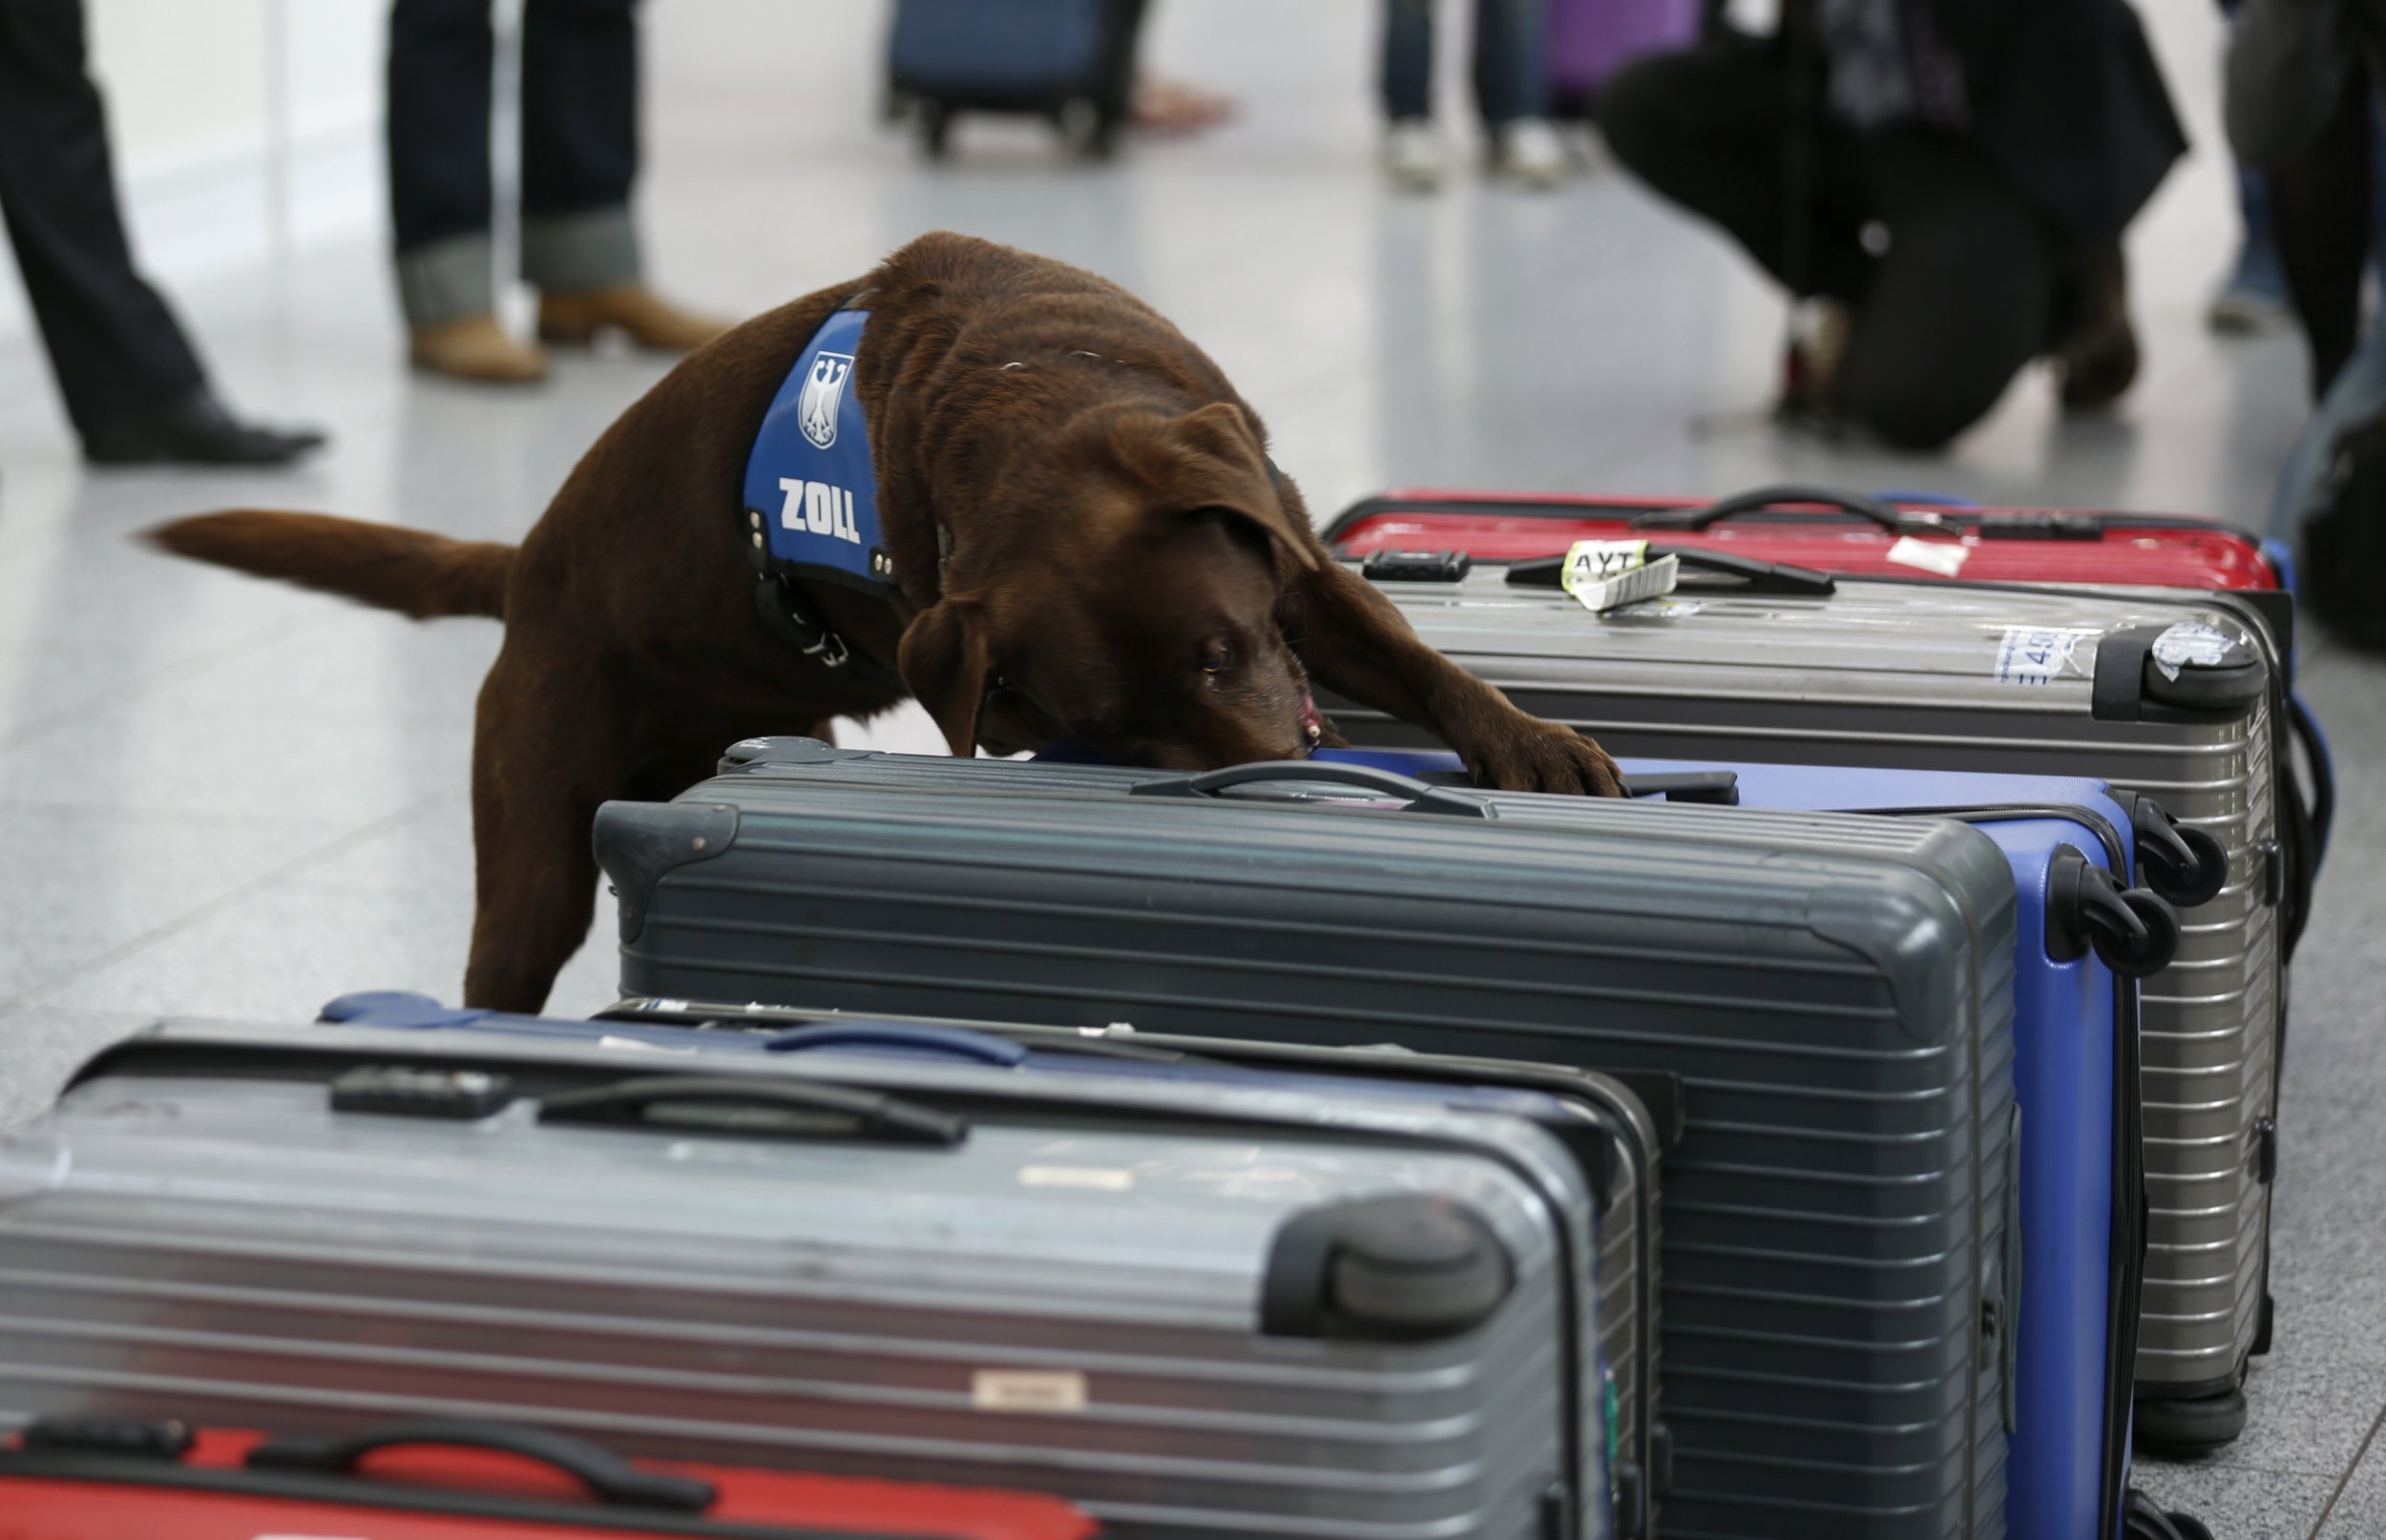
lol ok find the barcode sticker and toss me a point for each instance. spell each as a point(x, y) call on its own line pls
point(1093, 1178)
point(2027, 656)
point(1028, 1390)
point(1945, 558)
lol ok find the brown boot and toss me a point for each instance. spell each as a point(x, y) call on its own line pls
point(477, 349)
point(2096, 358)
point(633, 309)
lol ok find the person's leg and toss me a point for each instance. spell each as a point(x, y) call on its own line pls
point(2321, 208)
point(580, 158)
point(2357, 394)
point(441, 71)
point(1961, 299)
point(1510, 64)
point(113, 345)
point(1708, 128)
point(134, 386)
point(580, 143)
point(1407, 78)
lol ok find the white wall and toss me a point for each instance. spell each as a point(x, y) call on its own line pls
point(238, 125)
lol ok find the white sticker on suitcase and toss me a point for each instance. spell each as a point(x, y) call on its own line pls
point(1028, 1390)
point(2027, 656)
point(1091, 1179)
point(1945, 558)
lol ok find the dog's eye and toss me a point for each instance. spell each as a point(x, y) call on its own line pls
point(1216, 658)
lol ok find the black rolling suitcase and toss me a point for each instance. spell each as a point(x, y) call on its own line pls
point(1834, 993)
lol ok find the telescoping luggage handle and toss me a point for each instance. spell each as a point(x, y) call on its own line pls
point(1896, 520)
point(608, 1477)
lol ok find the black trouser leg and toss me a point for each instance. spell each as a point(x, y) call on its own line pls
point(2320, 209)
point(580, 143)
point(441, 68)
point(1709, 128)
point(1961, 301)
point(114, 344)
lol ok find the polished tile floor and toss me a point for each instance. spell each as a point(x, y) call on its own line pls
point(220, 797)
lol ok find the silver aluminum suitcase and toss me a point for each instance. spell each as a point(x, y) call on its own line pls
point(1196, 1310)
point(1618, 1128)
point(2180, 695)
point(1833, 993)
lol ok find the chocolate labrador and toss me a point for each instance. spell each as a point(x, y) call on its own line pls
point(1077, 532)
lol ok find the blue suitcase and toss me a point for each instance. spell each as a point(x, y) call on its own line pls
point(1069, 60)
point(2075, 1077)
point(1614, 1126)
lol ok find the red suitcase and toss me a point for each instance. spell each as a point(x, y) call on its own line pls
point(459, 1481)
point(1837, 531)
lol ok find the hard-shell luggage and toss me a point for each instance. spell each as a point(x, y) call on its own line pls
point(2175, 695)
point(1191, 1309)
point(1069, 60)
point(1832, 531)
point(1834, 993)
point(452, 1478)
point(1617, 1131)
point(1590, 41)
point(2075, 1075)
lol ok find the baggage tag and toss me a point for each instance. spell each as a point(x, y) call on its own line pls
point(1605, 575)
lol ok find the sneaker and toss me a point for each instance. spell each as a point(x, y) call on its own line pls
point(1413, 154)
point(1530, 155)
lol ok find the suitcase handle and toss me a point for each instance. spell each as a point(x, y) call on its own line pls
point(1415, 796)
point(943, 1042)
point(2185, 865)
point(864, 1113)
point(1895, 520)
point(1763, 576)
point(609, 1478)
point(1717, 788)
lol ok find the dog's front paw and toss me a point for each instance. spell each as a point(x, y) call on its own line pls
point(1532, 755)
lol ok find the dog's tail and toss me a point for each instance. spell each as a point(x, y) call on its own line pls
point(409, 571)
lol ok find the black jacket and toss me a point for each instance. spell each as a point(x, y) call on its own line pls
point(2289, 64)
point(2065, 96)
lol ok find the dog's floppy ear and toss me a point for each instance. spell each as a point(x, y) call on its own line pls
point(945, 659)
point(1222, 438)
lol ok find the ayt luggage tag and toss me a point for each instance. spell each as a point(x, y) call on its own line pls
point(1607, 575)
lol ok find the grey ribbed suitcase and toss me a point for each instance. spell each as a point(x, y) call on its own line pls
point(1978, 676)
point(1198, 1310)
point(1834, 993)
point(1618, 1130)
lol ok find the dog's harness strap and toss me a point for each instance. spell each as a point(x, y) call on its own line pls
point(788, 611)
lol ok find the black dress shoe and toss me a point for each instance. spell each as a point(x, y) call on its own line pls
point(195, 431)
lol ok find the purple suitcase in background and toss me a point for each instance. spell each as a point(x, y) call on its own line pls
point(1589, 40)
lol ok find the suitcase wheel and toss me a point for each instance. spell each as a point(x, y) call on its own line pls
point(1384, 1269)
point(932, 125)
point(2184, 1429)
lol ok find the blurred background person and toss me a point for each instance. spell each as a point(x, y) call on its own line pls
point(2302, 91)
point(1511, 91)
point(134, 386)
point(1951, 177)
point(580, 159)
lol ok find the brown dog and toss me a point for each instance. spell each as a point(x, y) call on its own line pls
point(1089, 540)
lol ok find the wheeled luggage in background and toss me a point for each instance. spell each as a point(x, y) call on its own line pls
point(2178, 695)
point(1617, 1131)
point(2075, 854)
point(1069, 60)
point(1191, 1309)
point(452, 1478)
point(1833, 993)
point(1589, 40)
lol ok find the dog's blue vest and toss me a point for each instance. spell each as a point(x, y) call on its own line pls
point(810, 491)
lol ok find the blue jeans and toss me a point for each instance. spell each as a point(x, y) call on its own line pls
point(1510, 76)
point(2357, 393)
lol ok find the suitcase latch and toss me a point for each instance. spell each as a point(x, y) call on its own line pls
point(2265, 1150)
